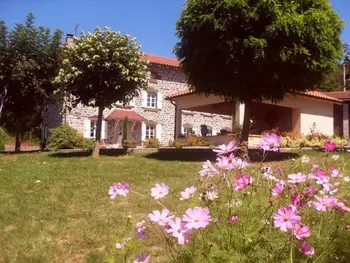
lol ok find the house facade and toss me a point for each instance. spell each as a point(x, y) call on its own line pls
point(149, 115)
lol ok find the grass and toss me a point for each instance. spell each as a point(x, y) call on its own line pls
point(55, 208)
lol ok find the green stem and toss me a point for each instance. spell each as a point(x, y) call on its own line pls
point(142, 195)
point(291, 248)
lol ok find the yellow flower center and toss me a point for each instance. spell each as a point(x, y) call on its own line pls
point(286, 218)
point(325, 203)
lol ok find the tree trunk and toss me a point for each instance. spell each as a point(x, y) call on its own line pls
point(96, 151)
point(18, 141)
point(246, 122)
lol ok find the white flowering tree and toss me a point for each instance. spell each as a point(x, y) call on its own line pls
point(101, 68)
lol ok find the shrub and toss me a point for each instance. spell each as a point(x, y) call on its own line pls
point(152, 143)
point(3, 139)
point(129, 144)
point(66, 137)
point(239, 212)
point(176, 143)
point(195, 140)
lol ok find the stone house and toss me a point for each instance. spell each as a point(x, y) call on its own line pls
point(149, 115)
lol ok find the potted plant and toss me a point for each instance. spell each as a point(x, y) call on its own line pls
point(204, 130)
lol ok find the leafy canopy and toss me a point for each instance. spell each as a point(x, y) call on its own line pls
point(103, 67)
point(252, 50)
point(29, 60)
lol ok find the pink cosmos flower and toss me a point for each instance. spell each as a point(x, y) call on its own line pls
point(336, 173)
point(329, 146)
point(234, 219)
point(306, 249)
point(310, 191)
point(270, 142)
point(224, 162)
point(225, 149)
point(296, 178)
point(140, 230)
point(121, 188)
point(278, 188)
point(179, 229)
point(301, 231)
point(241, 181)
point(142, 258)
point(161, 218)
point(325, 203)
point(197, 217)
point(159, 191)
point(208, 170)
point(123, 243)
point(298, 200)
point(238, 163)
point(188, 193)
point(286, 218)
point(341, 208)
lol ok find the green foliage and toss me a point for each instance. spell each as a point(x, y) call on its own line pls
point(66, 137)
point(152, 143)
point(175, 143)
point(125, 129)
point(248, 50)
point(101, 68)
point(195, 140)
point(129, 144)
point(3, 138)
point(29, 59)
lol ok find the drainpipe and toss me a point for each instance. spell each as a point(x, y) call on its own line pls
point(175, 128)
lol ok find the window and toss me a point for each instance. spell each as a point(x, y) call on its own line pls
point(210, 132)
point(150, 131)
point(151, 99)
point(93, 125)
point(188, 130)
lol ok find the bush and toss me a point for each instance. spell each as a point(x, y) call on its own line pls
point(176, 143)
point(152, 143)
point(66, 137)
point(195, 140)
point(3, 138)
point(294, 141)
point(129, 144)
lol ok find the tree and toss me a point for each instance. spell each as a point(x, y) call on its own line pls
point(29, 57)
point(255, 50)
point(102, 68)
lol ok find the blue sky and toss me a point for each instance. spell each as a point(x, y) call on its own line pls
point(151, 21)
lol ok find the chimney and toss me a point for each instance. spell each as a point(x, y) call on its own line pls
point(70, 39)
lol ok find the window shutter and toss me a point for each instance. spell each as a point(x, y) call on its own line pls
point(182, 130)
point(159, 132)
point(144, 98)
point(159, 100)
point(143, 131)
point(87, 128)
point(194, 131)
point(103, 130)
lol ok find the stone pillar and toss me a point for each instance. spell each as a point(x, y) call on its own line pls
point(178, 122)
point(239, 114)
point(346, 120)
point(296, 120)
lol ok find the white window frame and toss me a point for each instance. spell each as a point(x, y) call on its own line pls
point(151, 100)
point(188, 130)
point(93, 128)
point(150, 131)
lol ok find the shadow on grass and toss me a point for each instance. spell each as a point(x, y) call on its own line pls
point(86, 153)
point(22, 152)
point(201, 155)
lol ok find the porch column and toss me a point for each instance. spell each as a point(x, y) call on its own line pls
point(346, 120)
point(178, 122)
point(296, 120)
point(238, 118)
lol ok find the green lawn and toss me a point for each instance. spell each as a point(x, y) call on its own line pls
point(56, 208)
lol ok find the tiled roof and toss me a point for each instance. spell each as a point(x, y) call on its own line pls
point(121, 114)
point(313, 94)
point(338, 94)
point(172, 62)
